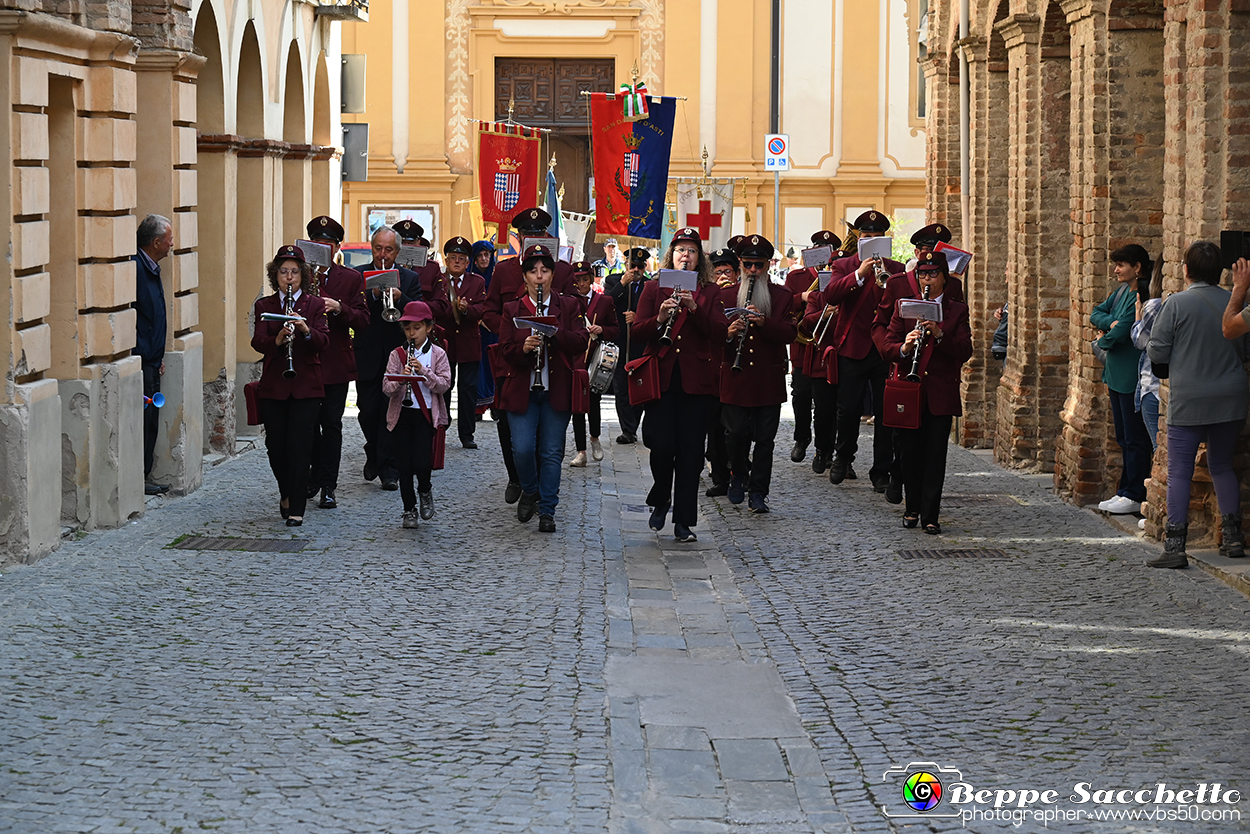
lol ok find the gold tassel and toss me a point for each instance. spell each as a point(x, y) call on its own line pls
point(746, 212)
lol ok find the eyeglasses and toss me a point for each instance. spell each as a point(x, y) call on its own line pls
point(288, 271)
point(687, 250)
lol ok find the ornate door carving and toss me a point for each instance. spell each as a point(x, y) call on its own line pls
point(547, 91)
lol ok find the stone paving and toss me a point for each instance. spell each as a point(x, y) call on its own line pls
point(475, 675)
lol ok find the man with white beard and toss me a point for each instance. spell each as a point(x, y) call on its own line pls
point(753, 373)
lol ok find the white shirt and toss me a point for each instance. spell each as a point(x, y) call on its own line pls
point(424, 357)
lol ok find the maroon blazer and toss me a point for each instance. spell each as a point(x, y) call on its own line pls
point(307, 383)
point(856, 305)
point(762, 380)
point(939, 388)
point(698, 345)
point(434, 289)
point(797, 283)
point(507, 283)
point(463, 342)
point(904, 286)
point(347, 287)
point(602, 312)
point(566, 350)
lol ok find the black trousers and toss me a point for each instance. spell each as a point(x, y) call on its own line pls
point(854, 376)
point(464, 384)
point(825, 421)
point(289, 428)
point(505, 442)
point(151, 415)
point(627, 415)
point(373, 404)
point(717, 450)
point(579, 423)
point(924, 465)
point(744, 426)
point(801, 397)
point(674, 428)
point(327, 448)
point(413, 442)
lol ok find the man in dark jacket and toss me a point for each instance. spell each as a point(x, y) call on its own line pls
point(155, 239)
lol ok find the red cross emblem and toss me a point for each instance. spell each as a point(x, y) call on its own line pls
point(704, 220)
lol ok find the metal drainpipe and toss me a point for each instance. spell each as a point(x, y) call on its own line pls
point(964, 138)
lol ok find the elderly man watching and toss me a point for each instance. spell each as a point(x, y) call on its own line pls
point(155, 239)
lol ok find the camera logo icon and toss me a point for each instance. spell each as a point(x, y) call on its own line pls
point(921, 789)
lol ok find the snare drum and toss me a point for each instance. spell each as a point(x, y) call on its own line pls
point(603, 366)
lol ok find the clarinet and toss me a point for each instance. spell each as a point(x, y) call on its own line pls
point(914, 375)
point(542, 345)
point(742, 337)
point(410, 351)
point(666, 338)
point(289, 309)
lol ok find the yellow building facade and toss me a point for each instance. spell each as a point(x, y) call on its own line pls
point(851, 99)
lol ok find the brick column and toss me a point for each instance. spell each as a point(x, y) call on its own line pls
point(942, 142)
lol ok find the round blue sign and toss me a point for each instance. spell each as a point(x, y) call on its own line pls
point(776, 146)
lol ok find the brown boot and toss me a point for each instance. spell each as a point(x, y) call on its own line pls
point(1173, 555)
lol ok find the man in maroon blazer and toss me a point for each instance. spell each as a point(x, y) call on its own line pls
point(343, 292)
point(753, 373)
point(857, 291)
point(463, 292)
point(433, 291)
point(800, 282)
point(726, 270)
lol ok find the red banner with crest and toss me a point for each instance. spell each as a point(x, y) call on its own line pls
point(509, 165)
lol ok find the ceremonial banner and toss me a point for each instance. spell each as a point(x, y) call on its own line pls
point(509, 170)
point(707, 206)
point(631, 169)
point(575, 227)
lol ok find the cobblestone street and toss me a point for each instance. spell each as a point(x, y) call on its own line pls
point(477, 675)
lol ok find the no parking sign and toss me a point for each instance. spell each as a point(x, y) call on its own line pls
point(777, 152)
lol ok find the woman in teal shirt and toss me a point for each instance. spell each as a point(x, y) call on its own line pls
point(1115, 318)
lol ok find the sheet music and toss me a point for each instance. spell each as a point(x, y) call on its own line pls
point(382, 279)
point(824, 278)
point(871, 247)
point(413, 257)
point(317, 254)
point(817, 256)
point(678, 279)
point(918, 308)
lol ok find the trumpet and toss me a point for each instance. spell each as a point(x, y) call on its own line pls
point(807, 338)
point(389, 311)
point(879, 273)
point(537, 384)
point(914, 374)
point(288, 308)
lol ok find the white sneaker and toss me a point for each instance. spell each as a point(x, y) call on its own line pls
point(596, 450)
point(1104, 506)
point(1141, 524)
point(578, 460)
point(1120, 506)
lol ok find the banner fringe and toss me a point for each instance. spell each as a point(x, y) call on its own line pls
point(627, 240)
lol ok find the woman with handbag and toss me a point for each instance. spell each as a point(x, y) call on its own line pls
point(536, 388)
point(291, 331)
point(1115, 318)
point(684, 333)
point(936, 352)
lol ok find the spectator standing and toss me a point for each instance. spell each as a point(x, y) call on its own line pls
point(155, 239)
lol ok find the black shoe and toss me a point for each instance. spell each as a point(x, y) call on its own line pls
point(837, 471)
point(371, 470)
point(798, 452)
point(911, 522)
point(820, 462)
point(150, 488)
point(850, 473)
point(880, 484)
point(295, 522)
point(716, 490)
point(312, 491)
point(390, 484)
point(512, 493)
point(894, 492)
point(526, 506)
point(737, 491)
point(684, 534)
point(467, 444)
point(658, 516)
point(327, 500)
point(757, 503)
point(933, 529)
point(546, 524)
point(626, 439)
point(286, 511)
point(427, 505)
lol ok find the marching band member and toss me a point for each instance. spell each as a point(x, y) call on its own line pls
point(625, 288)
point(675, 426)
point(820, 319)
point(725, 271)
point(947, 346)
point(856, 288)
point(800, 282)
point(416, 410)
point(290, 390)
point(343, 293)
point(433, 290)
point(753, 373)
point(599, 315)
point(537, 385)
point(464, 293)
point(373, 344)
point(508, 284)
point(908, 286)
point(484, 266)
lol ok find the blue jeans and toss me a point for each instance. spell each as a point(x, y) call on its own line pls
point(538, 447)
point(1130, 433)
point(1150, 416)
